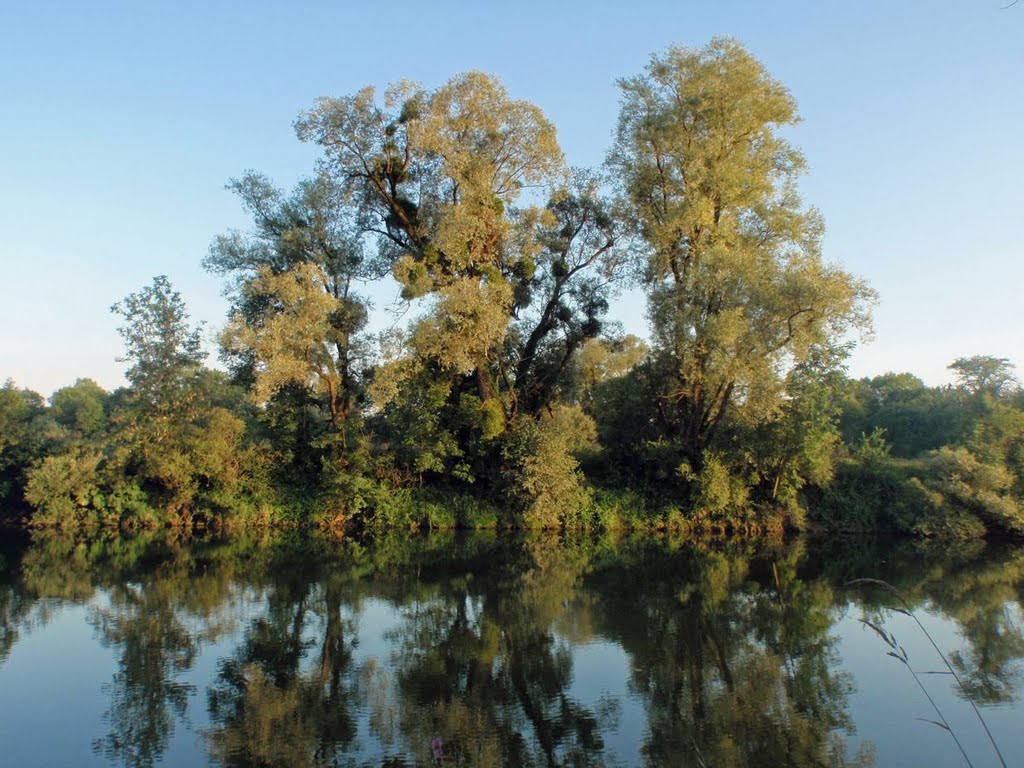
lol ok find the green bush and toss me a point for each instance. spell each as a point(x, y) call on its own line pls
point(65, 489)
point(543, 478)
point(972, 487)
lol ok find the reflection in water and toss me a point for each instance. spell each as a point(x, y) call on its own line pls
point(270, 706)
point(479, 661)
point(472, 645)
point(736, 666)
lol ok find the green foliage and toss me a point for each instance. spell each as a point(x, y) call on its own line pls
point(63, 487)
point(25, 437)
point(950, 494)
point(81, 408)
point(543, 473)
point(735, 280)
point(418, 422)
point(74, 490)
point(971, 486)
point(872, 450)
point(716, 491)
point(798, 445)
point(915, 418)
point(998, 438)
point(870, 496)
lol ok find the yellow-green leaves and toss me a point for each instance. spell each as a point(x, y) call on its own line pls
point(437, 172)
point(543, 470)
point(469, 320)
point(291, 344)
point(488, 141)
point(737, 287)
point(483, 148)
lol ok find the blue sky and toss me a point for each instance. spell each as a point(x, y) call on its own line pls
point(121, 122)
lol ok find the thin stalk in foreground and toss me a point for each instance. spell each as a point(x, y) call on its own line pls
point(963, 688)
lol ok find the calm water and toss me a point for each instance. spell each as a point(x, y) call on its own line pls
point(503, 651)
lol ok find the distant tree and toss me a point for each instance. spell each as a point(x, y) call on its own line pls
point(164, 351)
point(985, 374)
point(23, 440)
point(80, 407)
point(915, 418)
point(605, 358)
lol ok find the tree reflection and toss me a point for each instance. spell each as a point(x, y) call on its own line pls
point(16, 604)
point(157, 619)
point(733, 658)
point(145, 698)
point(154, 600)
point(978, 586)
point(271, 706)
point(480, 665)
point(731, 648)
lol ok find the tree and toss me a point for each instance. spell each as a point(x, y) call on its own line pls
point(798, 446)
point(915, 418)
point(296, 318)
point(985, 374)
point(81, 407)
point(601, 359)
point(164, 351)
point(511, 289)
point(737, 287)
point(437, 177)
point(172, 449)
point(24, 439)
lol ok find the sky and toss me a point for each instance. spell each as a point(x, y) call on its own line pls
point(121, 122)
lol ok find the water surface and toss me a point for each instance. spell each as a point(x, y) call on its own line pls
point(505, 651)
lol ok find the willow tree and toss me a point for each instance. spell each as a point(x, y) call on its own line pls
point(736, 284)
point(294, 332)
point(451, 182)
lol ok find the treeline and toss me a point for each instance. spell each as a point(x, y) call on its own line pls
point(931, 460)
point(510, 397)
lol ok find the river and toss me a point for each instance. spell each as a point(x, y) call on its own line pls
point(508, 650)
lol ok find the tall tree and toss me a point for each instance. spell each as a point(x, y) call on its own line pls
point(164, 351)
point(296, 316)
point(736, 284)
point(448, 181)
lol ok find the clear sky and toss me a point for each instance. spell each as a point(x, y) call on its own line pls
point(121, 122)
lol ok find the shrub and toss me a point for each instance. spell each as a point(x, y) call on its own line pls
point(64, 487)
point(546, 484)
point(972, 487)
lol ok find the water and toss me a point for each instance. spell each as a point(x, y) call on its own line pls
point(504, 651)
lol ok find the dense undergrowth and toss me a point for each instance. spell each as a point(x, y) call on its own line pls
point(88, 460)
